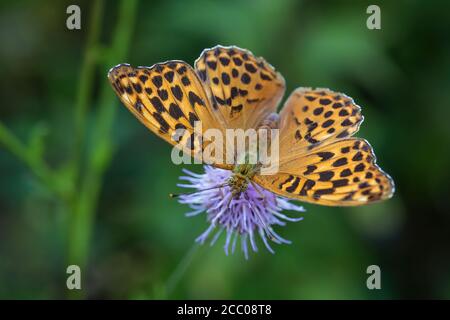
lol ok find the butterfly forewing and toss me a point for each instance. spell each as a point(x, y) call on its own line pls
point(311, 117)
point(165, 97)
point(243, 89)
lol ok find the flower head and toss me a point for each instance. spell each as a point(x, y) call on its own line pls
point(253, 212)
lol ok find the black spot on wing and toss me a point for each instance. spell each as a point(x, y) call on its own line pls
point(310, 169)
point(294, 185)
point(358, 156)
point(225, 78)
point(327, 123)
point(236, 109)
point(202, 75)
point(138, 105)
point(224, 61)
point(340, 162)
point(163, 94)
point(321, 192)
point(340, 183)
point(137, 87)
point(307, 186)
point(237, 61)
point(310, 139)
point(326, 175)
point(175, 111)
point(193, 118)
point(193, 99)
point(363, 185)
point(245, 78)
point(250, 68)
point(343, 134)
point(318, 111)
point(185, 81)
point(325, 155)
point(289, 179)
point(265, 76)
point(346, 172)
point(348, 197)
point(324, 102)
point(177, 92)
point(345, 149)
point(157, 81)
point(164, 126)
point(346, 123)
point(298, 135)
point(212, 64)
point(169, 76)
point(157, 104)
point(181, 70)
point(312, 126)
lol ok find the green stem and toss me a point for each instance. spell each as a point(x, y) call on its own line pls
point(101, 148)
point(83, 202)
point(179, 271)
point(36, 164)
point(86, 81)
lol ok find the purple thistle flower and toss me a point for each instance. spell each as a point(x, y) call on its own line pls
point(245, 216)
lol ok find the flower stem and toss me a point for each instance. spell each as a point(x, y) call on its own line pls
point(82, 199)
point(180, 270)
point(86, 81)
point(100, 151)
point(34, 162)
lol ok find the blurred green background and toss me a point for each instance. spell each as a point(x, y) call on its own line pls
point(82, 182)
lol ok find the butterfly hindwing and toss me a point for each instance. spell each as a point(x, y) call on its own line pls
point(319, 160)
point(342, 173)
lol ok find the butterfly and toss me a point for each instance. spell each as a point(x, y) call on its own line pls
point(229, 88)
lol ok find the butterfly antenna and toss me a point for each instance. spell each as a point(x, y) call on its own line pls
point(175, 195)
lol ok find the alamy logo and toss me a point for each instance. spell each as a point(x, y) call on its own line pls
point(73, 21)
point(74, 279)
point(374, 20)
point(374, 279)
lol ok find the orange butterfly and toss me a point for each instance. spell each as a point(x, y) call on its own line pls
point(319, 160)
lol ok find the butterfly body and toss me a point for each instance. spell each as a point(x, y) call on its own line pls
point(241, 177)
point(229, 88)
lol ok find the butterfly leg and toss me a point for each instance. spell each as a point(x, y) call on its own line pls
point(256, 187)
point(229, 201)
